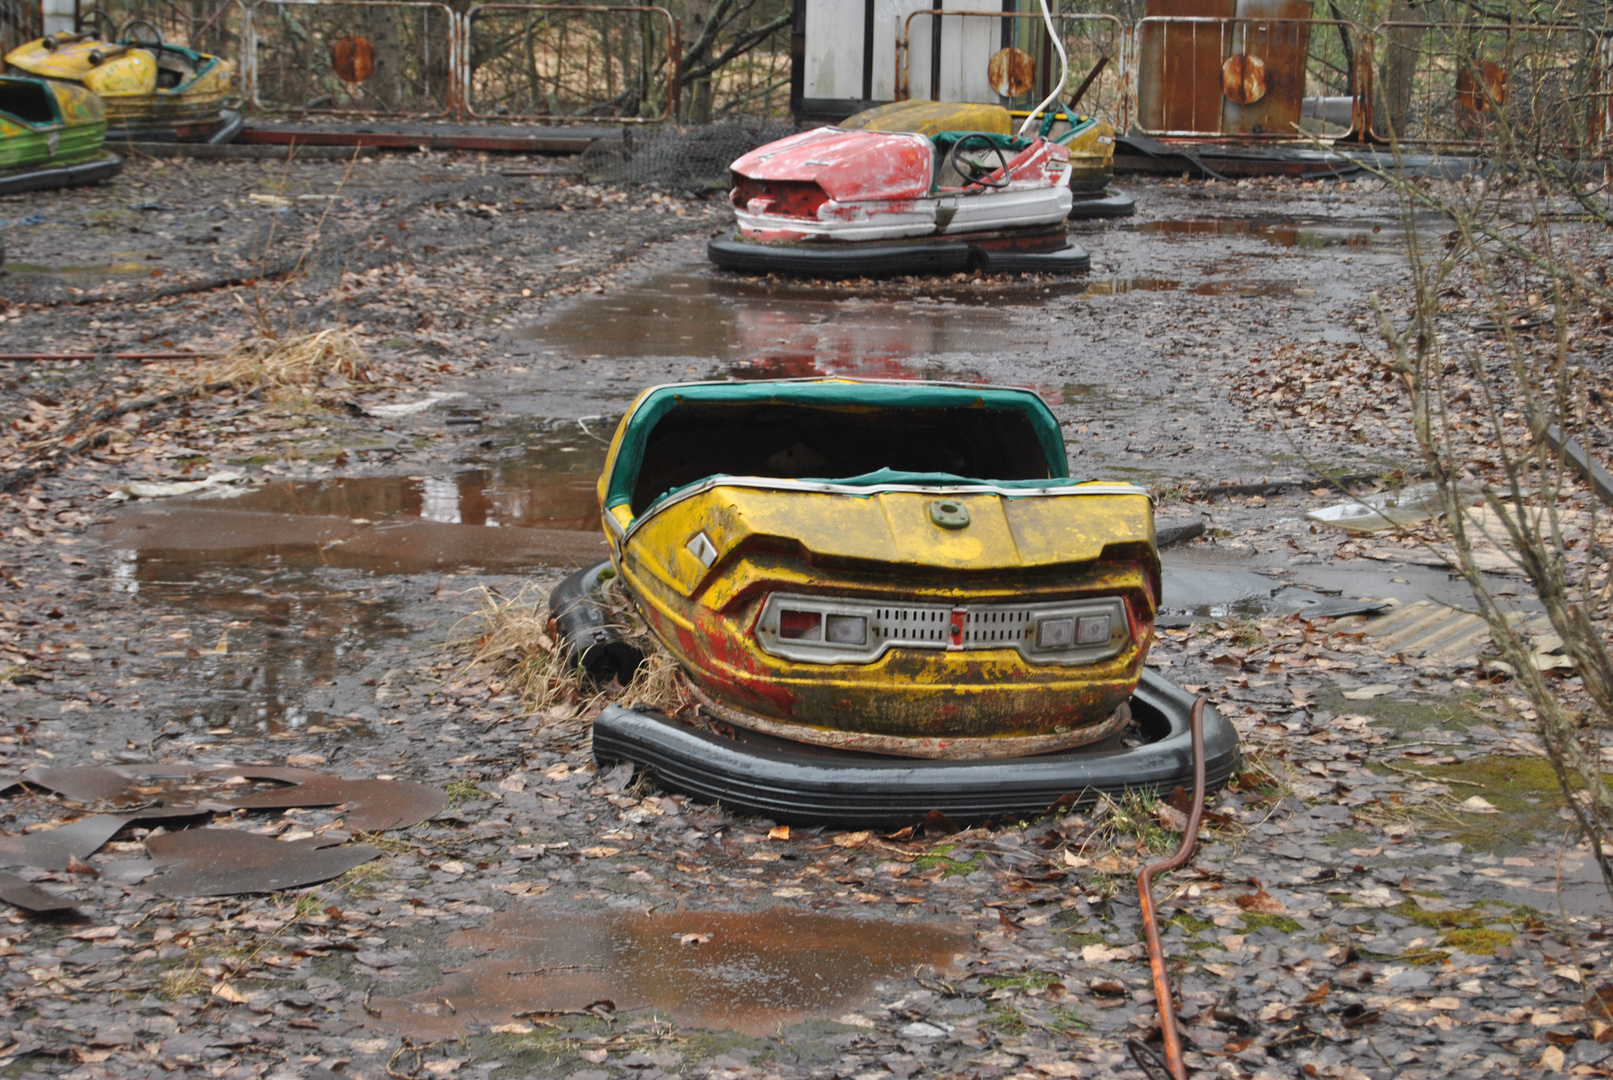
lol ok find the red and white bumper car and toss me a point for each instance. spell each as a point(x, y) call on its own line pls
point(836, 202)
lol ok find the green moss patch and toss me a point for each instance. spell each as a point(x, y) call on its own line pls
point(1397, 718)
point(949, 866)
point(1524, 789)
point(1255, 920)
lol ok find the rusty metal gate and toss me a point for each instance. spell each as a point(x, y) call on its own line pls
point(209, 26)
point(570, 62)
point(1250, 78)
point(1450, 84)
point(352, 57)
point(1007, 57)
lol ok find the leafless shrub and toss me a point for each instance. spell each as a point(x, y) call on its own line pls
point(1497, 352)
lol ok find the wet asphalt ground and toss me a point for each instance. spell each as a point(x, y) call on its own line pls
point(1345, 917)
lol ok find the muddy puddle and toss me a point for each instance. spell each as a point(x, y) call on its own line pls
point(1280, 232)
point(527, 502)
point(263, 650)
point(750, 972)
point(785, 329)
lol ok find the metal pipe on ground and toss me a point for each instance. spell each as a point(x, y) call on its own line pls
point(1171, 1067)
point(134, 356)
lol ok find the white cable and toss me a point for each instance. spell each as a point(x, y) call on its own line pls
point(1064, 71)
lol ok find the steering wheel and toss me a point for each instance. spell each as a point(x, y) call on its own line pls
point(99, 24)
point(128, 39)
point(974, 173)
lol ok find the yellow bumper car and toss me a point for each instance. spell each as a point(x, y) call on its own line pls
point(152, 90)
point(896, 587)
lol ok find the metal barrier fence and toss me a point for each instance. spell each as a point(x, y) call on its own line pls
point(363, 57)
point(1250, 78)
point(20, 21)
point(1450, 84)
point(963, 56)
point(209, 26)
point(569, 63)
point(1425, 84)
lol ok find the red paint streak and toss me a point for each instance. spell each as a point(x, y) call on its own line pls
point(955, 629)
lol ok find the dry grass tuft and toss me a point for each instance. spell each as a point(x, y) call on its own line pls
point(289, 367)
point(512, 636)
point(659, 686)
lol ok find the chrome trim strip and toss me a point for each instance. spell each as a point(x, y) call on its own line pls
point(767, 483)
point(924, 624)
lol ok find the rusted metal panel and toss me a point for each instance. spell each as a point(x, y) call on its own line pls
point(1181, 47)
point(1272, 38)
point(507, 141)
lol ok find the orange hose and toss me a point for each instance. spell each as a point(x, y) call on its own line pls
point(1173, 1062)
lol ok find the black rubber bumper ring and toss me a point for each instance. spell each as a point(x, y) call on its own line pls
point(885, 260)
point(809, 787)
point(102, 168)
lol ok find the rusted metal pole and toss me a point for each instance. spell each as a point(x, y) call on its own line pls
point(1145, 1057)
point(28, 357)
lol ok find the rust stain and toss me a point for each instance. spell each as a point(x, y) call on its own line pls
point(1477, 89)
point(352, 58)
point(1243, 78)
point(742, 971)
point(1011, 71)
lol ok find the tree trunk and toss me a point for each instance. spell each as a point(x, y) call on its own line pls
point(698, 107)
point(1392, 99)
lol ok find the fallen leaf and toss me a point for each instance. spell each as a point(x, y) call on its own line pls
point(1262, 903)
point(1478, 804)
point(1170, 817)
point(693, 939)
point(1317, 996)
point(852, 839)
point(1103, 954)
point(1569, 972)
point(1552, 1059)
point(1061, 1069)
point(1446, 1003)
point(225, 992)
point(96, 933)
point(779, 832)
point(1367, 693)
